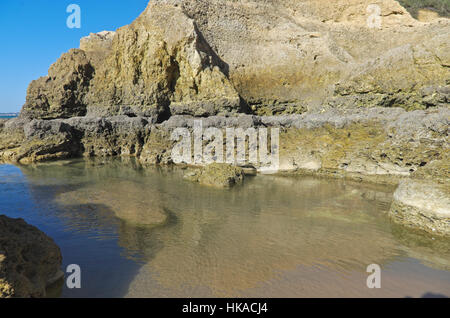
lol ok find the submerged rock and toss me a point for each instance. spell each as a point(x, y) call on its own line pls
point(219, 175)
point(29, 260)
point(142, 207)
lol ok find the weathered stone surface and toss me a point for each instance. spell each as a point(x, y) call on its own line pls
point(219, 175)
point(379, 144)
point(97, 42)
point(61, 93)
point(39, 140)
point(198, 58)
point(29, 260)
point(157, 147)
point(291, 56)
point(375, 141)
point(161, 60)
point(97, 47)
point(42, 140)
point(424, 205)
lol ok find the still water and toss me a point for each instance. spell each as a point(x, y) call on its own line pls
point(146, 232)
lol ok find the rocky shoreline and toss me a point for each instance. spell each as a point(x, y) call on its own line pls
point(381, 145)
point(349, 100)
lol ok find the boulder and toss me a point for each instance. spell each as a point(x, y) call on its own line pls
point(424, 205)
point(111, 136)
point(29, 260)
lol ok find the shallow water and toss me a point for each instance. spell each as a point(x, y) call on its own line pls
point(148, 233)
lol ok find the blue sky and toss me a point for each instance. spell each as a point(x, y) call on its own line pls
point(34, 34)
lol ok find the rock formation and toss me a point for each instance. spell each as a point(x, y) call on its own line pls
point(29, 260)
point(199, 57)
point(61, 93)
point(156, 66)
point(291, 56)
point(354, 93)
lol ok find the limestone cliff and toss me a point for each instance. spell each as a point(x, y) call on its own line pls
point(156, 66)
point(292, 56)
point(198, 57)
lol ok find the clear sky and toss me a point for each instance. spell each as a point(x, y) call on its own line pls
point(34, 34)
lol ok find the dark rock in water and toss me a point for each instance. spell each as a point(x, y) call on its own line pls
point(29, 260)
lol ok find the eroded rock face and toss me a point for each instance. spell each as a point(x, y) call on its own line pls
point(29, 260)
point(112, 136)
point(292, 56)
point(198, 57)
point(143, 209)
point(161, 60)
point(371, 142)
point(97, 46)
point(61, 93)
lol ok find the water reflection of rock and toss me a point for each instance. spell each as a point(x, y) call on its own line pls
point(98, 195)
